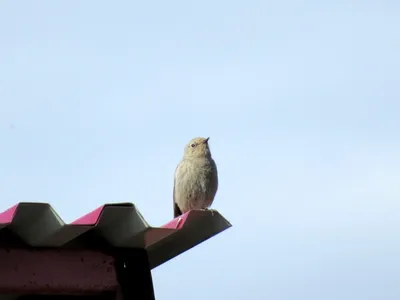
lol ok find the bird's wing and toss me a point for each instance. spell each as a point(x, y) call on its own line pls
point(212, 184)
point(214, 179)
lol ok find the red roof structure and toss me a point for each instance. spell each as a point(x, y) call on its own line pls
point(109, 251)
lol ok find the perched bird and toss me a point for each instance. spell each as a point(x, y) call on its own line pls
point(195, 179)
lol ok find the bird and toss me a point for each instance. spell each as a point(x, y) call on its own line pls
point(195, 178)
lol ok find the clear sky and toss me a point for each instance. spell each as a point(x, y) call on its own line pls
point(300, 99)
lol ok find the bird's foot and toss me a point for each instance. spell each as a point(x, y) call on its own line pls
point(211, 210)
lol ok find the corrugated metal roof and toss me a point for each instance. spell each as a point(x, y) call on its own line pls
point(118, 225)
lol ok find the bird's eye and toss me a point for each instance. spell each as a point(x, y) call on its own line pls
point(192, 145)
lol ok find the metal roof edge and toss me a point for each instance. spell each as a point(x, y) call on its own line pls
point(195, 227)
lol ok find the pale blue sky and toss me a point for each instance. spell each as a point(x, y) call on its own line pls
point(300, 99)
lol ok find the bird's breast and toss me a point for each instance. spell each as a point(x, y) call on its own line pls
point(194, 176)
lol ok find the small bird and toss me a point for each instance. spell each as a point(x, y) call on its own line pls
point(195, 179)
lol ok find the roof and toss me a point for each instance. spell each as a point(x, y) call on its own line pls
point(117, 225)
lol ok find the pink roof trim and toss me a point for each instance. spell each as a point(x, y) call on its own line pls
point(91, 218)
point(177, 223)
point(8, 215)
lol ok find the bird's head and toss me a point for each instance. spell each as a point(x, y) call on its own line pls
point(197, 147)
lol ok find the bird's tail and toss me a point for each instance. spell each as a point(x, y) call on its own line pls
point(177, 211)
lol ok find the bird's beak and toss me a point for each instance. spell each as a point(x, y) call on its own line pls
point(206, 140)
